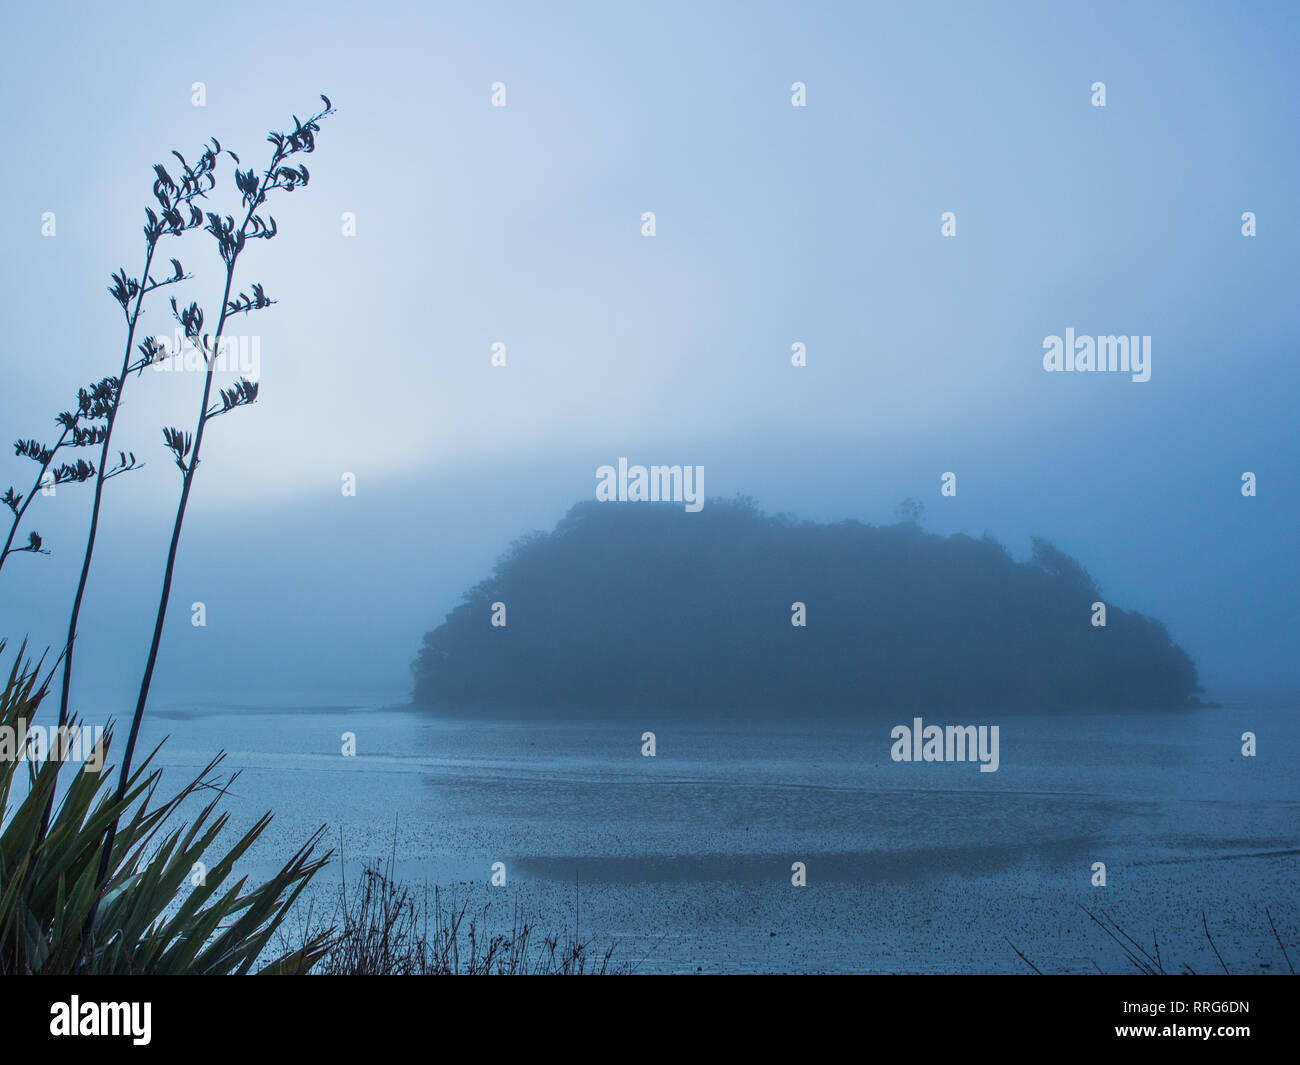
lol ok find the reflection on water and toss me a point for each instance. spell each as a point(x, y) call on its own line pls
point(686, 857)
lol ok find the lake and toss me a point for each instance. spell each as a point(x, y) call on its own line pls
point(684, 859)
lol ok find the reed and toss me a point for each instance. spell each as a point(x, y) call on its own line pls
point(382, 927)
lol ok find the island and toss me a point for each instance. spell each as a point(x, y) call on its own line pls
point(628, 606)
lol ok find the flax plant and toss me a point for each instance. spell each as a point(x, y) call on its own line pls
point(232, 239)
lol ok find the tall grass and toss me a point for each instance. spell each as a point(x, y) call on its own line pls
point(1148, 960)
point(382, 927)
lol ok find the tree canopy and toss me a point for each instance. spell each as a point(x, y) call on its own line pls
point(630, 606)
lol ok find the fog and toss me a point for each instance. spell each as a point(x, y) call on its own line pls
point(775, 226)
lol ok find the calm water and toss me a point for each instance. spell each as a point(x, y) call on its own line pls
point(685, 859)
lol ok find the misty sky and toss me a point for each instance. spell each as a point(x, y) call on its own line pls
point(775, 225)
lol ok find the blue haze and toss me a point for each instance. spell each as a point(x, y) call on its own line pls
point(775, 225)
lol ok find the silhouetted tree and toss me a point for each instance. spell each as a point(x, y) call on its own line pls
point(1059, 564)
point(642, 605)
point(910, 509)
